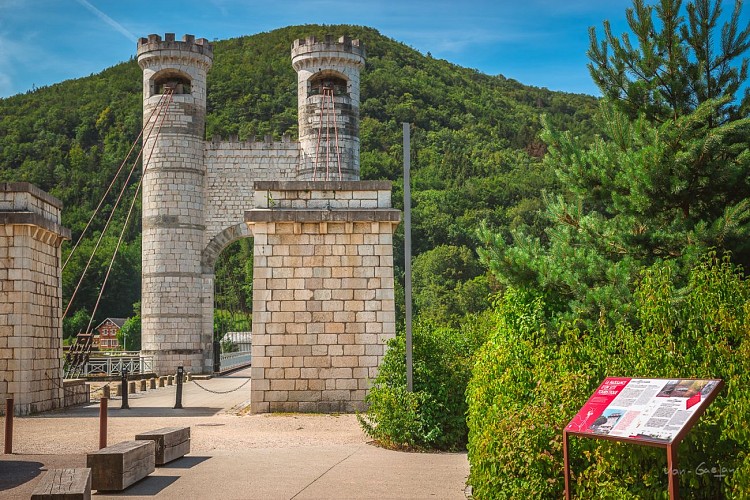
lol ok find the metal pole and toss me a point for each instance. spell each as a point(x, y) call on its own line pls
point(217, 356)
point(9, 426)
point(102, 423)
point(178, 401)
point(407, 253)
point(124, 389)
point(674, 483)
point(566, 461)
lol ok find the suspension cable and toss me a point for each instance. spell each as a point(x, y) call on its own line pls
point(114, 208)
point(317, 145)
point(109, 188)
point(328, 137)
point(336, 132)
point(170, 93)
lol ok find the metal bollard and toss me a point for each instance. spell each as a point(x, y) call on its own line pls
point(102, 423)
point(178, 401)
point(124, 390)
point(217, 356)
point(9, 426)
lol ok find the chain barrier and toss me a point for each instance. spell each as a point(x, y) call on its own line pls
point(101, 389)
point(71, 392)
point(222, 392)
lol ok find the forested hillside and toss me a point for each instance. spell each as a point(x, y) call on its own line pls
point(476, 152)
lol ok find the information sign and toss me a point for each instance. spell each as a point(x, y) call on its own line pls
point(648, 411)
point(642, 409)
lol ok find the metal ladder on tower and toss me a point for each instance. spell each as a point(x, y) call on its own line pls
point(326, 116)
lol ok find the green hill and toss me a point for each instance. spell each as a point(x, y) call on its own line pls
point(476, 146)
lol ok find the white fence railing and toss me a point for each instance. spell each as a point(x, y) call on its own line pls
point(231, 360)
point(113, 364)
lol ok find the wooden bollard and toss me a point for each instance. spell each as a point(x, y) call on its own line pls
point(143, 385)
point(106, 391)
point(9, 426)
point(162, 381)
point(102, 423)
point(152, 383)
point(131, 387)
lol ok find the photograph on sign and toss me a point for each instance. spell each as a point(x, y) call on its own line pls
point(641, 409)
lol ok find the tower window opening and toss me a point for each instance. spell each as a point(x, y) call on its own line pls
point(330, 83)
point(179, 84)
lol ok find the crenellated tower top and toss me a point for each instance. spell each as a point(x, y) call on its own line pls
point(327, 51)
point(189, 50)
point(170, 63)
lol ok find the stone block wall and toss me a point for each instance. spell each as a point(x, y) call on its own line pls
point(232, 167)
point(31, 300)
point(323, 300)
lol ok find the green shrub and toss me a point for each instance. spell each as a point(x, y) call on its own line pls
point(530, 379)
point(434, 415)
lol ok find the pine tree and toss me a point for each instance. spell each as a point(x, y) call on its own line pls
point(676, 64)
point(667, 178)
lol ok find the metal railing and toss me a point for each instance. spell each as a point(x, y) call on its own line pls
point(114, 363)
point(232, 360)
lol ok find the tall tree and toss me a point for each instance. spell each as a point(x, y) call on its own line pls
point(667, 178)
point(675, 64)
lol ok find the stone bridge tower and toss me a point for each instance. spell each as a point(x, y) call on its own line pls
point(328, 106)
point(173, 203)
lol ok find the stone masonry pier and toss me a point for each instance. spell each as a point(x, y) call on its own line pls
point(323, 300)
point(31, 300)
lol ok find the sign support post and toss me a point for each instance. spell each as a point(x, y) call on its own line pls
point(674, 484)
point(566, 460)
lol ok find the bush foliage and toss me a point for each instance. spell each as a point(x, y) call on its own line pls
point(530, 378)
point(434, 414)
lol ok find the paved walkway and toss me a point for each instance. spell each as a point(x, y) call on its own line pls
point(234, 455)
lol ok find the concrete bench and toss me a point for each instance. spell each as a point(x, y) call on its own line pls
point(171, 443)
point(116, 467)
point(65, 484)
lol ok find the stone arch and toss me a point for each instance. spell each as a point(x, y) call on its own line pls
point(336, 80)
point(219, 242)
point(170, 78)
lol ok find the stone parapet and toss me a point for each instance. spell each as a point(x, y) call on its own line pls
point(329, 49)
point(197, 50)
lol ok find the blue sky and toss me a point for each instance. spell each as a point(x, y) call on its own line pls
point(538, 42)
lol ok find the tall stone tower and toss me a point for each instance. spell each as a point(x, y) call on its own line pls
point(173, 203)
point(328, 107)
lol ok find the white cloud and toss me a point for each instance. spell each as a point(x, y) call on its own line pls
point(104, 17)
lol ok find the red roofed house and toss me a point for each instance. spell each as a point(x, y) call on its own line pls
point(107, 338)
